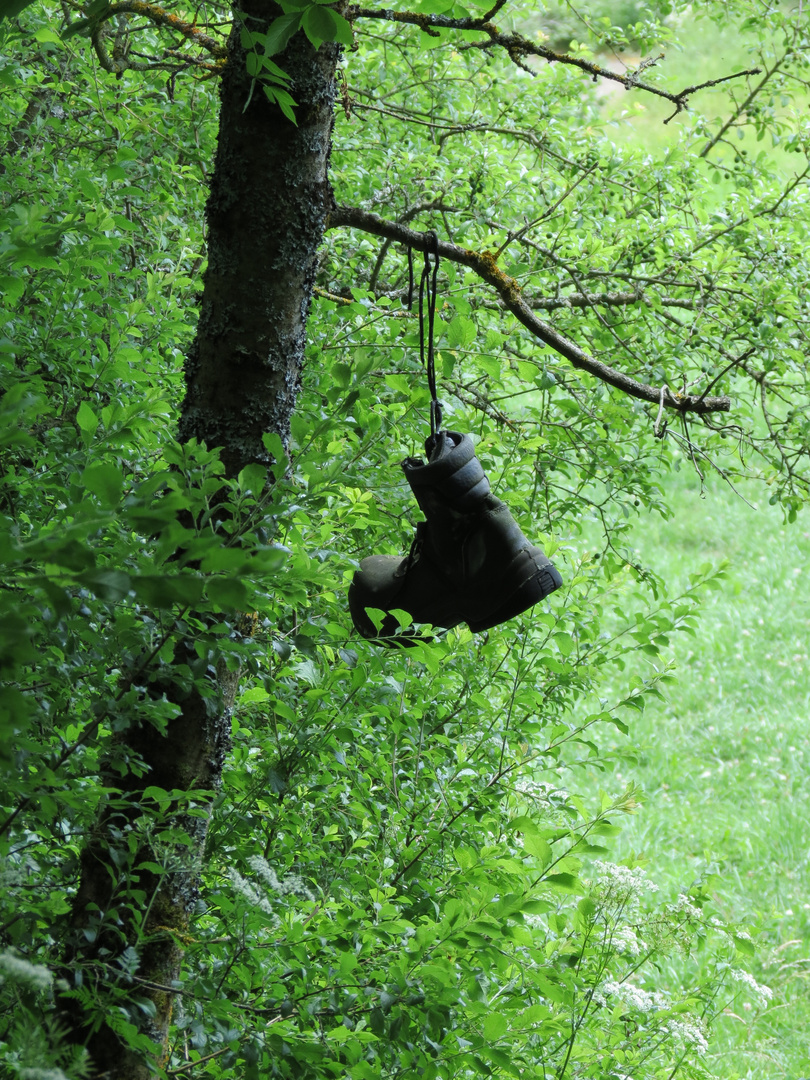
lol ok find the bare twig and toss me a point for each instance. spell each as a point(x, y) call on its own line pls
point(680, 98)
point(769, 72)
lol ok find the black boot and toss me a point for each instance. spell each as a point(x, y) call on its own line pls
point(469, 561)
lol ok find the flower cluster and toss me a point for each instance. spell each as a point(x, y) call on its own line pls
point(253, 896)
point(684, 906)
point(619, 885)
point(634, 997)
point(257, 897)
point(16, 969)
point(625, 940)
point(688, 1029)
point(761, 994)
point(291, 884)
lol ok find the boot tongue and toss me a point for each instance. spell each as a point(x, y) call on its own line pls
point(440, 445)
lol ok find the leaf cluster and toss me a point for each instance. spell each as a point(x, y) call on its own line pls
point(408, 863)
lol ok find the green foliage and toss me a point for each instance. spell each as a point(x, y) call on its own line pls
point(10, 8)
point(408, 866)
point(260, 47)
point(318, 21)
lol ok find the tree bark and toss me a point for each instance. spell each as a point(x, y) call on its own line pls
point(270, 195)
point(266, 212)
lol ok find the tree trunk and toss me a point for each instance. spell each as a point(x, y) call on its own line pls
point(269, 198)
point(270, 195)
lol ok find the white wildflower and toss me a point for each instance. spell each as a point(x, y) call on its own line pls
point(634, 997)
point(42, 1074)
point(17, 969)
point(684, 906)
point(688, 1029)
point(252, 894)
point(291, 884)
point(620, 885)
point(761, 994)
point(625, 940)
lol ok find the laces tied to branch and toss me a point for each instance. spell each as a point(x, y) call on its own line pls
point(427, 296)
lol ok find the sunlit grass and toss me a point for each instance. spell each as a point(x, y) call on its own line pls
point(725, 761)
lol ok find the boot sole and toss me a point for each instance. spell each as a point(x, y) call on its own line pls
point(449, 605)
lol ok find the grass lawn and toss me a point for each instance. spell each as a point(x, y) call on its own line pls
point(725, 762)
point(703, 51)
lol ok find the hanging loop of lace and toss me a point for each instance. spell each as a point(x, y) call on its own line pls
point(427, 292)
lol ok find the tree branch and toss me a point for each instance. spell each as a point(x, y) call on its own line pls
point(519, 47)
point(119, 62)
point(485, 265)
point(428, 23)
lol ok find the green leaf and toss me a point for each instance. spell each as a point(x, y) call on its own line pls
point(283, 100)
point(376, 1021)
point(224, 558)
point(343, 29)
point(744, 946)
point(342, 374)
point(495, 1026)
point(227, 593)
point(273, 71)
point(254, 694)
point(162, 591)
point(404, 618)
point(322, 24)
point(17, 409)
point(538, 847)
point(12, 288)
point(564, 642)
point(564, 882)
point(461, 332)
point(280, 32)
point(105, 480)
point(86, 419)
point(106, 584)
point(47, 36)
point(10, 8)
point(253, 478)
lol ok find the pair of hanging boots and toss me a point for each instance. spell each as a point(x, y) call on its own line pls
point(469, 561)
